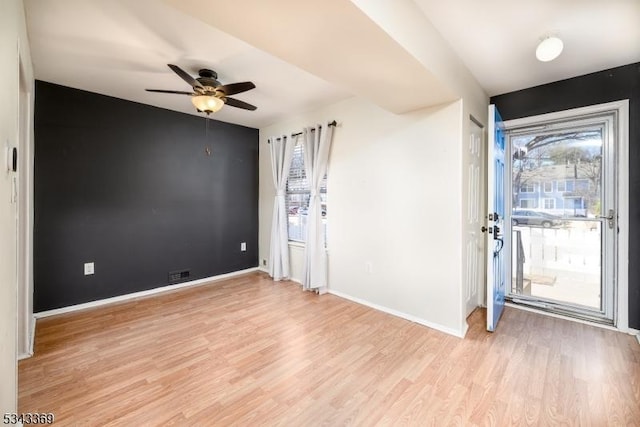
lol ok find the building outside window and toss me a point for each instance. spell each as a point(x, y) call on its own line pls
point(563, 179)
point(569, 185)
point(527, 187)
point(549, 203)
point(528, 203)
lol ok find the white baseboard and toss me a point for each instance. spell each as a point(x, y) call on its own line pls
point(32, 337)
point(432, 325)
point(127, 297)
point(24, 356)
point(291, 279)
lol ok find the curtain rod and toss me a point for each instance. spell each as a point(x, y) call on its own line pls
point(333, 123)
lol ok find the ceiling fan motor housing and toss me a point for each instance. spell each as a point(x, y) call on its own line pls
point(208, 78)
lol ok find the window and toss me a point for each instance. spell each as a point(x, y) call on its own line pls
point(561, 186)
point(569, 185)
point(527, 187)
point(548, 186)
point(297, 197)
point(528, 203)
point(583, 185)
point(549, 203)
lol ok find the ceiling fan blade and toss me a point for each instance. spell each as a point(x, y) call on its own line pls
point(170, 91)
point(234, 88)
point(239, 104)
point(185, 76)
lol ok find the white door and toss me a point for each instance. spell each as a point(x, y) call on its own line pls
point(496, 259)
point(474, 240)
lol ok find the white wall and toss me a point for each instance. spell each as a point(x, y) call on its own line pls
point(394, 201)
point(396, 185)
point(13, 46)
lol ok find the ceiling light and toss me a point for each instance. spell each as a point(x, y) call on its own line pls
point(207, 103)
point(549, 49)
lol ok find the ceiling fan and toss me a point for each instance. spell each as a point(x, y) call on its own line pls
point(209, 95)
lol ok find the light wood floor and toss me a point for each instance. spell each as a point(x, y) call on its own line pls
point(249, 351)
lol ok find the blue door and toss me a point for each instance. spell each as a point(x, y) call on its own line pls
point(496, 258)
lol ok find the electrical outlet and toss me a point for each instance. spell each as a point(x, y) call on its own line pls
point(264, 262)
point(243, 246)
point(89, 268)
point(368, 266)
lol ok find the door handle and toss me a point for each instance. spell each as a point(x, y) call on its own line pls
point(611, 217)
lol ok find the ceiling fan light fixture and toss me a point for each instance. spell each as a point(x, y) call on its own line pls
point(549, 49)
point(207, 103)
point(208, 95)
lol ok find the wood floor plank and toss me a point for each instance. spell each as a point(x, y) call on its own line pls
point(249, 351)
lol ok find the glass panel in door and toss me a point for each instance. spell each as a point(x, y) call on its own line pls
point(558, 218)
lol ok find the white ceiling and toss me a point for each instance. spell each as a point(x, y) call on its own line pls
point(496, 39)
point(121, 47)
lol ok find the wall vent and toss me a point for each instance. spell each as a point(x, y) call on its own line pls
point(177, 276)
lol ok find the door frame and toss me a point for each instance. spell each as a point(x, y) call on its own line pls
point(621, 311)
point(25, 215)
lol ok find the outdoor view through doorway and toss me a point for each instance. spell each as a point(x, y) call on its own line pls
point(563, 215)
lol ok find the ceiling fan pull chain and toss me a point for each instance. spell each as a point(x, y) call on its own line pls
point(207, 149)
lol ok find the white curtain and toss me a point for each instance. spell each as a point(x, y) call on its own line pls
point(281, 153)
point(317, 142)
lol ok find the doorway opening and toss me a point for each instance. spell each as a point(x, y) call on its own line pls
point(565, 210)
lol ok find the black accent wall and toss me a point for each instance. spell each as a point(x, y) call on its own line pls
point(596, 88)
point(141, 191)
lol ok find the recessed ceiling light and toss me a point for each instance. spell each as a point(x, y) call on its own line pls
point(549, 49)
